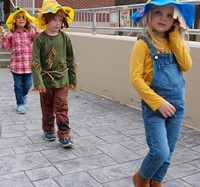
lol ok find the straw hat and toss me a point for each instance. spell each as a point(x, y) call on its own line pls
point(11, 19)
point(53, 6)
point(187, 10)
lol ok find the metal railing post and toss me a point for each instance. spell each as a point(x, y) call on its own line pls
point(94, 22)
point(12, 3)
point(16, 3)
point(33, 7)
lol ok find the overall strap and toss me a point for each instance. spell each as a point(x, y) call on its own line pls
point(151, 47)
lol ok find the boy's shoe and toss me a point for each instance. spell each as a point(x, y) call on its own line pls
point(25, 99)
point(21, 109)
point(66, 142)
point(49, 136)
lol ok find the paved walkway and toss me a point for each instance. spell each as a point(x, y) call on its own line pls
point(109, 144)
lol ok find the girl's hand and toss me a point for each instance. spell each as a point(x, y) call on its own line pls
point(175, 26)
point(4, 33)
point(2, 29)
point(167, 109)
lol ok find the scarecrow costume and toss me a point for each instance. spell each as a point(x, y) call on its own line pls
point(54, 71)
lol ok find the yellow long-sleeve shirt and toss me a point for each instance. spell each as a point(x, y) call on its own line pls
point(141, 66)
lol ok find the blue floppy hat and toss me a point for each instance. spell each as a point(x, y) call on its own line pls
point(187, 10)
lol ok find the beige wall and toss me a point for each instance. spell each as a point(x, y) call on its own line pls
point(104, 70)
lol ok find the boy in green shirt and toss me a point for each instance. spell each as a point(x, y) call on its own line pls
point(54, 69)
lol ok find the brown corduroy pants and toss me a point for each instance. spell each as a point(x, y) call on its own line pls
point(54, 106)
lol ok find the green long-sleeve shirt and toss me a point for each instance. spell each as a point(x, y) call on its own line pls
point(53, 63)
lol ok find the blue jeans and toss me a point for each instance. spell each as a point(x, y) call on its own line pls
point(161, 136)
point(22, 85)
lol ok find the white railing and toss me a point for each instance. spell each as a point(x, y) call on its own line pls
point(12, 3)
point(116, 18)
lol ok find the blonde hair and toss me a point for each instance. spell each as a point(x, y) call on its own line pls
point(148, 32)
point(14, 26)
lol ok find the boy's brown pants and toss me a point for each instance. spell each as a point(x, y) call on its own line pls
point(54, 105)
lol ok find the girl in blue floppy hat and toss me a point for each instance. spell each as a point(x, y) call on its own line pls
point(158, 61)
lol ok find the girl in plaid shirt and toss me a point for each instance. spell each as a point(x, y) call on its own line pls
point(19, 39)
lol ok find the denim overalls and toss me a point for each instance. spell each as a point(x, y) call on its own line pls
point(162, 134)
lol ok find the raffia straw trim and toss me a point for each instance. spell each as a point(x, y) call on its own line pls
point(72, 87)
point(39, 89)
point(76, 65)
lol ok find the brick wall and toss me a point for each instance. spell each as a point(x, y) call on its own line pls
point(77, 4)
point(7, 7)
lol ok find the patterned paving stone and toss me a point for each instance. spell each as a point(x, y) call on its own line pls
point(45, 183)
point(109, 145)
point(84, 164)
point(15, 180)
point(42, 173)
point(193, 180)
point(115, 172)
point(176, 183)
point(16, 163)
point(77, 180)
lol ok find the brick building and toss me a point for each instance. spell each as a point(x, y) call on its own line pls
point(72, 3)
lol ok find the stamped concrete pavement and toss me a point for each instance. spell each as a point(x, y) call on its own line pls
point(109, 144)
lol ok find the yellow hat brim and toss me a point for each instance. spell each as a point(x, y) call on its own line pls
point(11, 19)
point(69, 11)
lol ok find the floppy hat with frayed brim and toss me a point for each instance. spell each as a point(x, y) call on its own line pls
point(11, 19)
point(186, 9)
point(52, 6)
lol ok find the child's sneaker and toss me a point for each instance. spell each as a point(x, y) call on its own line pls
point(66, 142)
point(49, 136)
point(21, 109)
point(25, 99)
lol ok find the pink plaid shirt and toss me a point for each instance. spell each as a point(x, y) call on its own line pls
point(21, 45)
